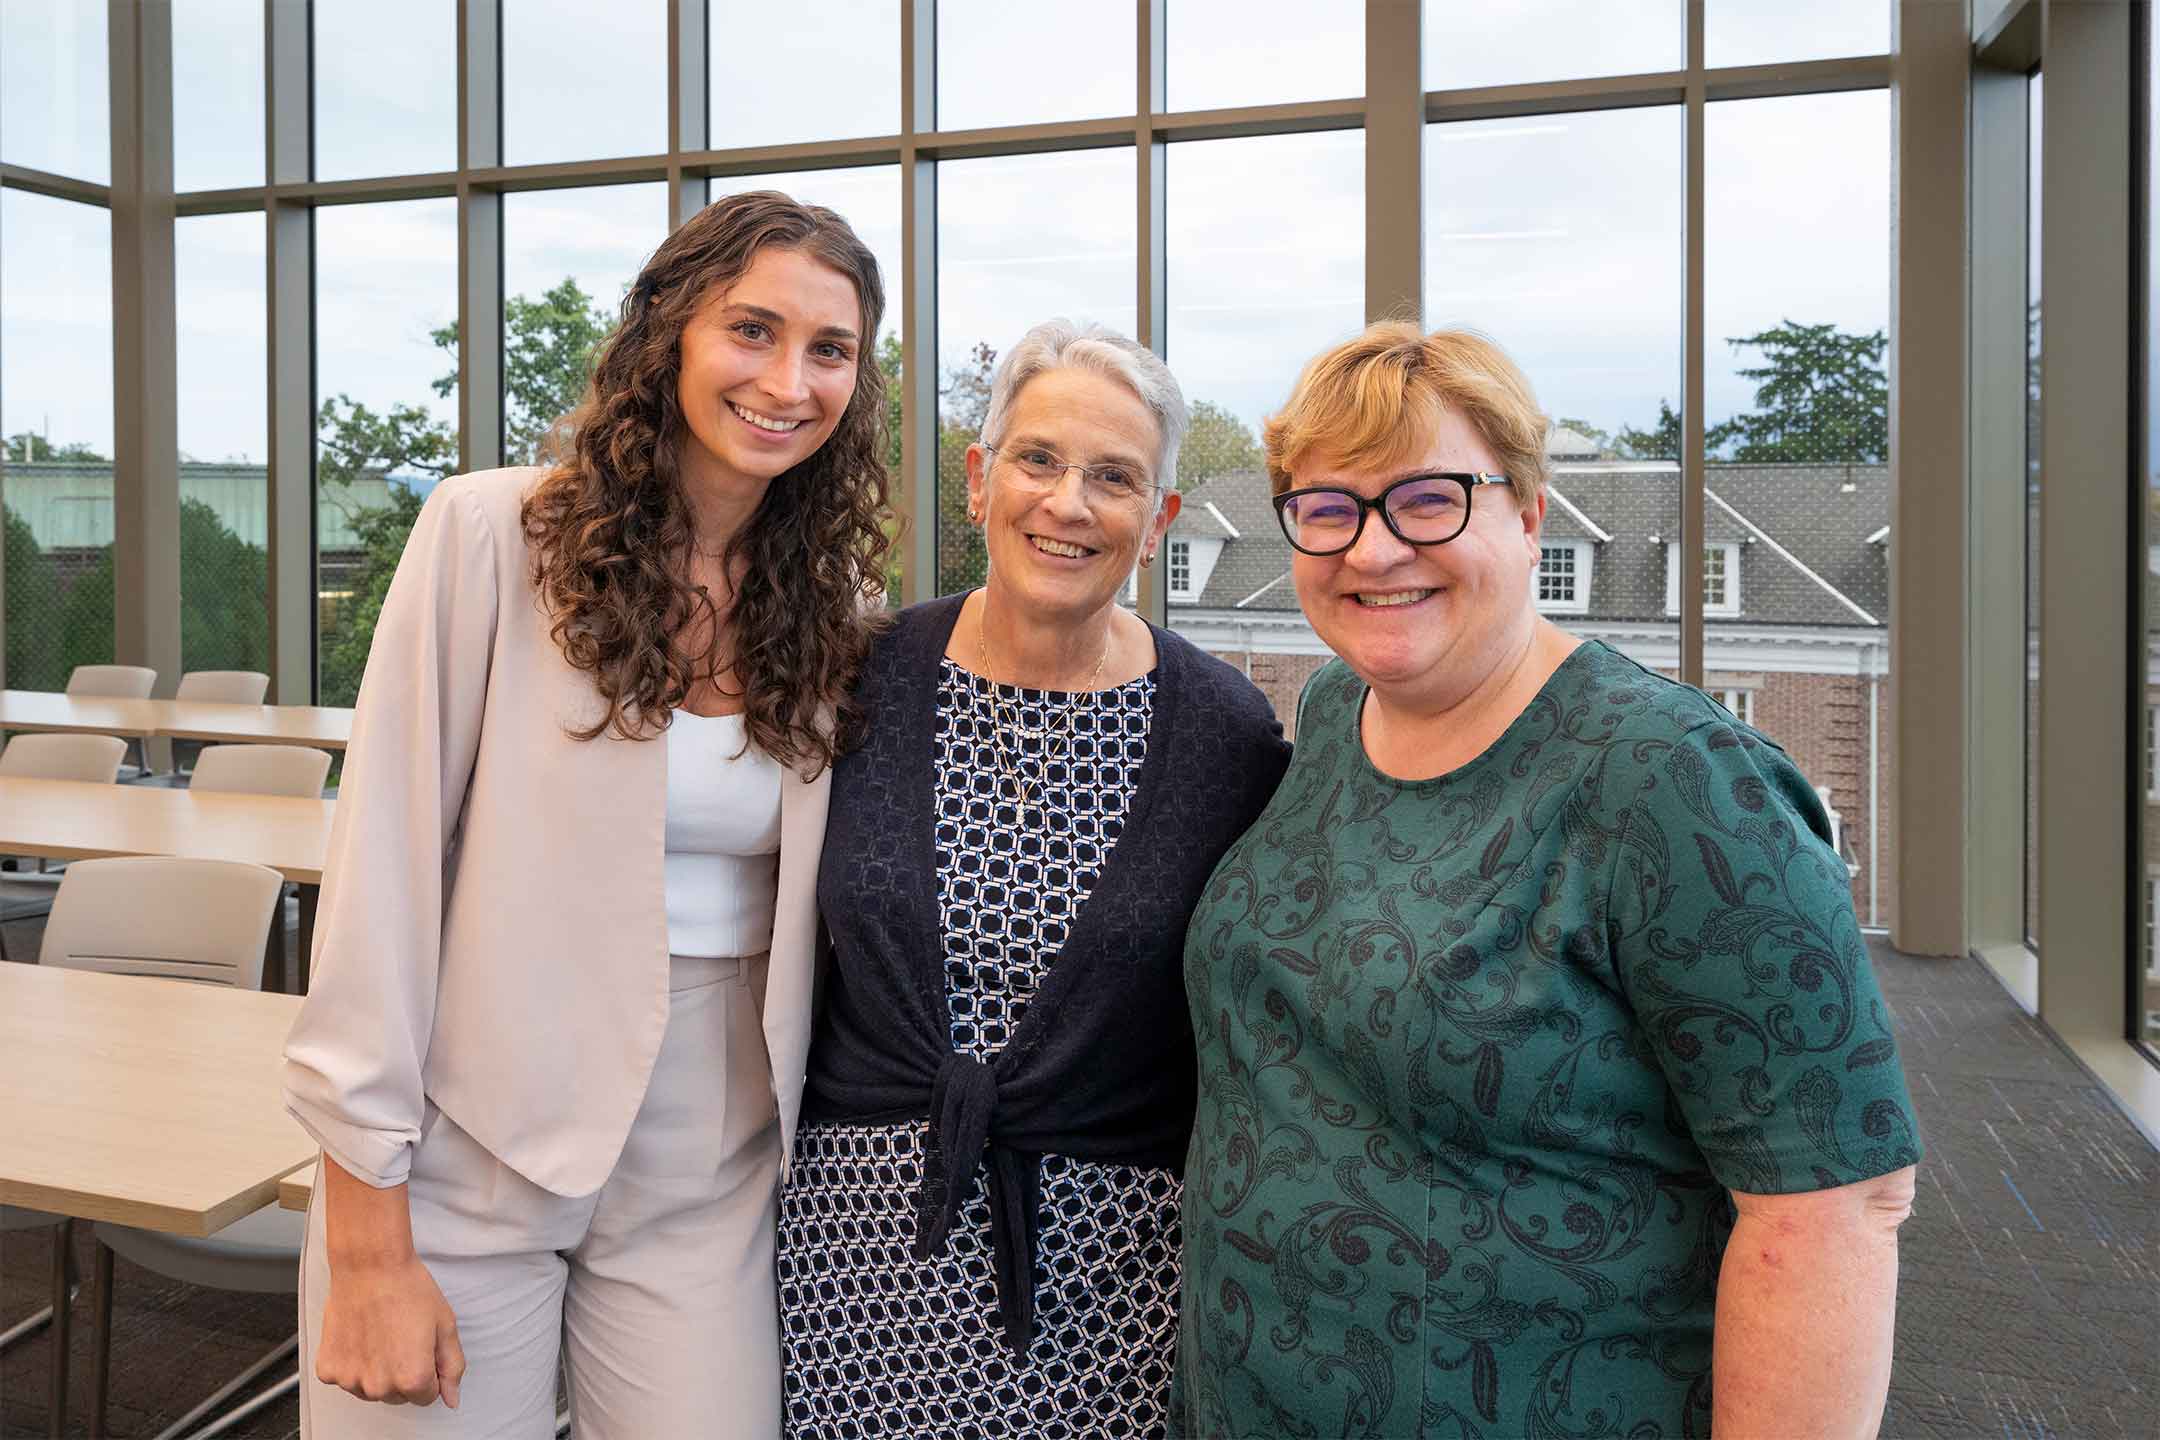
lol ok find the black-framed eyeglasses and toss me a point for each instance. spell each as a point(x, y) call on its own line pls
point(1038, 468)
point(1427, 509)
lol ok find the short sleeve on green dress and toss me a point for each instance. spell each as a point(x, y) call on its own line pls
point(1734, 942)
point(1481, 1057)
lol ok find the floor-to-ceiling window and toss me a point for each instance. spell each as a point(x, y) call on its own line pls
point(1797, 481)
point(386, 367)
point(2034, 93)
point(56, 387)
point(2144, 759)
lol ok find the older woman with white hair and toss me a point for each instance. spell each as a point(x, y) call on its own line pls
point(979, 1228)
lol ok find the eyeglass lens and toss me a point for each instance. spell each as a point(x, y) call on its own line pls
point(1424, 511)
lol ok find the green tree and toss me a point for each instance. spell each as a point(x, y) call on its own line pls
point(33, 601)
point(224, 594)
point(1216, 443)
point(549, 346)
point(383, 530)
point(1821, 394)
point(27, 445)
point(963, 406)
point(1660, 442)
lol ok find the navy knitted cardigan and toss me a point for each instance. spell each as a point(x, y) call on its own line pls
point(1101, 1065)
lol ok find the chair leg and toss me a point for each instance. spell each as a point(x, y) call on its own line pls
point(63, 1327)
point(275, 976)
point(185, 1425)
point(101, 1342)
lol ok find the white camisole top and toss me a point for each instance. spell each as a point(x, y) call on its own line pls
point(723, 838)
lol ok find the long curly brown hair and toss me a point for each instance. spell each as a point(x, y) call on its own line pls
point(611, 533)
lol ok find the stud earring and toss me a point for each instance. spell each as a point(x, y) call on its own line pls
point(1147, 560)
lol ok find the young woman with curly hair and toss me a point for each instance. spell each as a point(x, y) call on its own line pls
point(562, 973)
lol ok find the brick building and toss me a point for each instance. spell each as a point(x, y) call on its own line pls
point(1796, 602)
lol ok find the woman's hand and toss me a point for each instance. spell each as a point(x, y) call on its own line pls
point(387, 1333)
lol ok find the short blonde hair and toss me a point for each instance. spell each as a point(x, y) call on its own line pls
point(1377, 399)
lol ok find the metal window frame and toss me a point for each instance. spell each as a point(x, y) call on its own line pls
point(1393, 111)
point(2086, 766)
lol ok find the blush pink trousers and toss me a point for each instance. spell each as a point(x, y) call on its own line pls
point(655, 1294)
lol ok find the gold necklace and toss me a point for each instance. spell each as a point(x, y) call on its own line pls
point(1006, 766)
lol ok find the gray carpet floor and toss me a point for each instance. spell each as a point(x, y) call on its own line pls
point(2029, 1303)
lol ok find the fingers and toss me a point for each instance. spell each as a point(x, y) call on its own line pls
point(449, 1362)
point(419, 1381)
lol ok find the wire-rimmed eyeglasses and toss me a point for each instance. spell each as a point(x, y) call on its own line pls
point(1039, 468)
point(1427, 509)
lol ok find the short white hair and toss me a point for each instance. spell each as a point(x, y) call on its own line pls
point(1062, 345)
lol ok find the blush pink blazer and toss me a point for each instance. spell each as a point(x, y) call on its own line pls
point(492, 935)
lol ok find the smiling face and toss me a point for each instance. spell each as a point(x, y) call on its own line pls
point(768, 367)
point(1425, 625)
point(1064, 553)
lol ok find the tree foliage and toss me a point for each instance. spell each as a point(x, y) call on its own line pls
point(1660, 442)
point(549, 346)
point(1216, 443)
point(1822, 396)
point(25, 446)
point(383, 530)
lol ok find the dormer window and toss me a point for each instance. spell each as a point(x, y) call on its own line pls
point(1720, 579)
point(1562, 581)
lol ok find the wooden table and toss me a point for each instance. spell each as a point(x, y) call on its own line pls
point(153, 1103)
point(82, 715)
point(297, 1189)
point(77, 820)
point(323, 726)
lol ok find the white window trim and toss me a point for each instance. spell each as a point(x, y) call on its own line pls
point(1585, 559)
point(1732, 578)
point(1740, 700)
point(1171, 551)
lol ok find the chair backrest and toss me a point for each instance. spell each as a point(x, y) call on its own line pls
point(112, 682)
point(224, 687)
point(63, 757)
point(262, 770)
point(202, 920)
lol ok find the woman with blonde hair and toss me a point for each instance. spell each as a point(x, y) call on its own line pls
point(563, 968)
point(1545, 1088)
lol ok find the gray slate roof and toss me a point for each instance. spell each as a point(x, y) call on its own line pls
point(1789, 520)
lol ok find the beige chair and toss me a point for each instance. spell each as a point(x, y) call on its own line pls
point(112, 682)
point(116, 682)
point(293, 770)
point(94, 758)
point(224, 687)
point(216, 687)
point(198, 920)
point(158, 915)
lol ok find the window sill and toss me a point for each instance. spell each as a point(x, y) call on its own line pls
point(2126, 1073)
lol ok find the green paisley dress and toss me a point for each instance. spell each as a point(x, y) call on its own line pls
point(1481, 1057)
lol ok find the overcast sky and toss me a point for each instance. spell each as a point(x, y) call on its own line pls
point(1559, 236)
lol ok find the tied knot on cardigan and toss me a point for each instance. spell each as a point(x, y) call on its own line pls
point(963, 1103)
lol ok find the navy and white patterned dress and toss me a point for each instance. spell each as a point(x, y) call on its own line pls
point(880, 1344)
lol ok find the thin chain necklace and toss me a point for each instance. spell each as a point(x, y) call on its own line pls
point(1009, 769)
